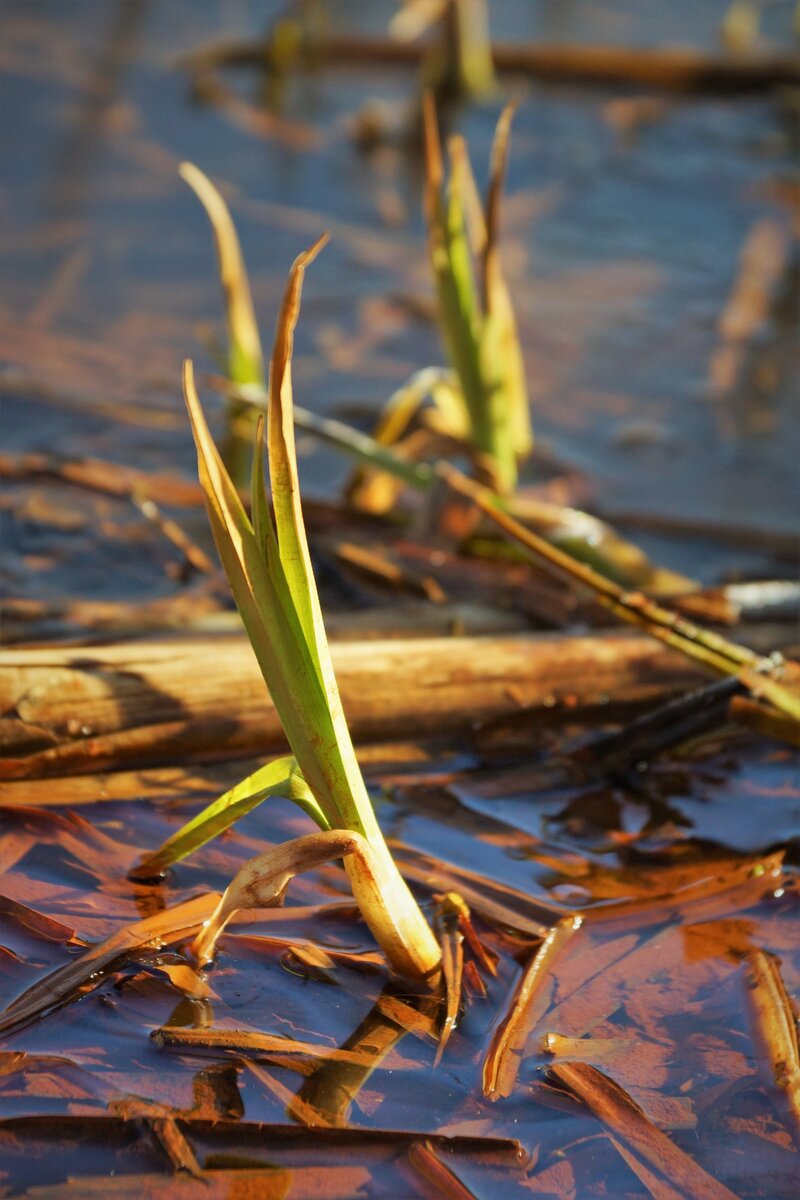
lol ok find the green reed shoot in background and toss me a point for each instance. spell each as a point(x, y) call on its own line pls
point(245, 362)
point(474, 307)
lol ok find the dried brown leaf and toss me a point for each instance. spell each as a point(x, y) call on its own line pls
point(774, 1027)
point(88, 971)
point(533, 993)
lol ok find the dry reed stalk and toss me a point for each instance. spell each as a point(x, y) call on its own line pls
point(673, 68)
point(94, 964)
point(258, 1046)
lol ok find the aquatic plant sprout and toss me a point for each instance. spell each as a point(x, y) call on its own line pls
point(386, 466)
point(268, 566)
point(387, 461)
point(475, 311)
point(481, 402)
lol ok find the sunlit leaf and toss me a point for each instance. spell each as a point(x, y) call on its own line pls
point(269, 569)
point(259, 503)
point(245, 357)
point(498, 309)
point(264, 602)
point(279, 778)
point(475, 311)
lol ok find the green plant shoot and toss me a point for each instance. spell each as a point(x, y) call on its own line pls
point(268, 567)
point(475, 311)
point(388, 459)
point(245, 360)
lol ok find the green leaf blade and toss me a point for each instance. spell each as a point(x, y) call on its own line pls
point(304, 691)
point(245, 356)
point(280, 778)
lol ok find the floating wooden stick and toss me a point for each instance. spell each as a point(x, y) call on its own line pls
point(673, 68)
point(283, 1051)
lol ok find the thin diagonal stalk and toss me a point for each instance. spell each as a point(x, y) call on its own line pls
point(637, 609)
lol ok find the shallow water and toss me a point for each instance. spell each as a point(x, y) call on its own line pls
point(621, 253)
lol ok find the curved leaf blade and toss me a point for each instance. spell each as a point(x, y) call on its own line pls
point(245, 356)
point(280, 778)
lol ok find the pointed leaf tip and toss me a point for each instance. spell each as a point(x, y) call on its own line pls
point(246, 361)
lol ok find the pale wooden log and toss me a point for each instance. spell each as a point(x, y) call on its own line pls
point(78, 709)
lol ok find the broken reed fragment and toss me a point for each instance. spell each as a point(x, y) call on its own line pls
point(82, 974)
point(666, 1171)
point(504, 1056)
point(763, 677)
point(726, 886)
point(256, 1142)
point(443, 1182)
point(296, 1108)
point(162, 1126)
point(447, 922)
point(282, 1051)
point(774, 1027)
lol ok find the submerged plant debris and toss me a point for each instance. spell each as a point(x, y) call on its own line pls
point(602, 834)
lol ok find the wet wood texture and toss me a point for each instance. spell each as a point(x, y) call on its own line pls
point(75, 709)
